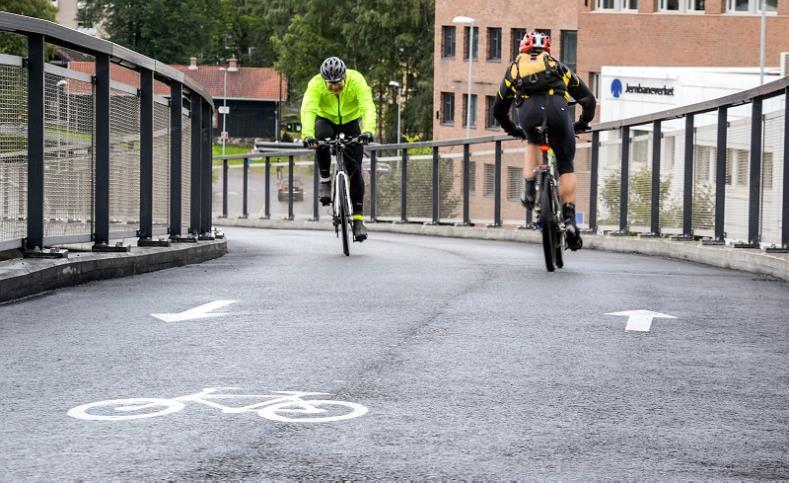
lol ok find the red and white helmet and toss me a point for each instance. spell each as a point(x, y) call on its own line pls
point(535, 40)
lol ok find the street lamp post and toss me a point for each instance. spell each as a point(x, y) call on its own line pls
point(224, 112)
point(470, 22)
point(396, 85)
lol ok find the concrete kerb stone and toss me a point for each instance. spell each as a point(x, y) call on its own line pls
point(748, 260)
point(25, 277)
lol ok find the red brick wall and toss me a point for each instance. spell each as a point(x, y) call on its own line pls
point(451, 74)
point(662, 39)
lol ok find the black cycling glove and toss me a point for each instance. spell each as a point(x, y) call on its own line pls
point(366, 138)
point(310, 142)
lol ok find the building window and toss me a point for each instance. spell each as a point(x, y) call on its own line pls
point(617, 5)
point(490, 179)
point(751, 6)
point(569, 48)
point(594, 84)
point(472, 176)
point(514, 183)
point(494, 43)
point(474, 43)
point(681, 5)
point(447, 41)
point(516, 35)
point(473, 110)
point(490, 120)
point(447, 107)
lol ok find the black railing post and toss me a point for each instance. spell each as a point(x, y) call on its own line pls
point(195, 187)
point(720, 175)
point(291, 167)
point(102, 157)
point(176, 142)
point(593, 181)
point(497, 187)
point(146, 154)
point(267, 191)
point(316, 216)
point(35, 143)
point(245, 191)
point(785, 211)
point(466, 184)
point(436, 186)
point(625, 181)
point(404, 187)
point(373, 185)
point(208, 201)
point(225, 173)
point(657, 138)
point(687, 196)
point(754, 197)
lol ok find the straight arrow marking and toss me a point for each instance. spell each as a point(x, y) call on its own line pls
point(641, 320)
point(200, 312)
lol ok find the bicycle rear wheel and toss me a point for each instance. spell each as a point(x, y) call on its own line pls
point(548, 222)
point(344, 215)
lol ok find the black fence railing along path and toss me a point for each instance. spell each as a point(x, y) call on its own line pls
point(86, 159)
point(641, 209)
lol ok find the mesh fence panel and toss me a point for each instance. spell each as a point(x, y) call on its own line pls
point(124, 161)
point(450, 183)
point(420, 184)
point(481, 202)
point(773, 165)
point(672, 176)
point(68, 156)
point(512, 174)
point(639, 192)
point(186, 172)
point(609, 180)
point(13, 152)
point(738, 152)
point(704, 159)
point(388, 177)
point(161, 164)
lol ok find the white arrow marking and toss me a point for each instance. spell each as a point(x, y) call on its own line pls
point(200, 312)
point(641, 320)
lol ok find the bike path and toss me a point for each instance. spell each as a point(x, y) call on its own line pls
point(466, 353)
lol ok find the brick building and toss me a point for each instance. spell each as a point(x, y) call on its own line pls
point(677, 33)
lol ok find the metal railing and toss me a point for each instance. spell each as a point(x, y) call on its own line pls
point(84, 158)
point(691, 184)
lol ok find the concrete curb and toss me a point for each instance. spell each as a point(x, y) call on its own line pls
point(748, 260)
point(24, 277)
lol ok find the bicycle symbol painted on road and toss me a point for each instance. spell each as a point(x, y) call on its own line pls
point(283, 406)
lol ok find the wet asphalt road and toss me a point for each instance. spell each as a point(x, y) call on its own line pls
point(472, 362)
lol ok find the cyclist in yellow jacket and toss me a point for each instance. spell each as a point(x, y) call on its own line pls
point(338, 100)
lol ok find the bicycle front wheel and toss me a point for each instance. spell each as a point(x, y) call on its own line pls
point(548, 223)
point(316, 411)
point(344, 215)
point(126, 409)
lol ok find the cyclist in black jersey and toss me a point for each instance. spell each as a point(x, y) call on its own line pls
point(541, 86)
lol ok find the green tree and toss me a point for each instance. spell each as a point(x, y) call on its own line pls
point(16, 44)
point(162, 29)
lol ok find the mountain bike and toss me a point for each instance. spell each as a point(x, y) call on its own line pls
point(548, 208)
point(342, 209)
point(283, 406)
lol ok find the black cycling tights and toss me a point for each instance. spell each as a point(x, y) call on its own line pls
point(325, 129)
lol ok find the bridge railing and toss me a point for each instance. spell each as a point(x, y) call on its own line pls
point(717, 178)
point(87, 158)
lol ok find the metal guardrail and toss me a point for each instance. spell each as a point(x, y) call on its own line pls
point(84, 158)
point(646, 185)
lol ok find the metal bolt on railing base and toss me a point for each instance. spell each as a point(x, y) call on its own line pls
point(464, 224)
point(243, 217)
point(206, 237)
point(650, 235)
point(117, 248)
point(264, 218)
point(148, 243)
point(777, 250)
point(45, 253)
point(713, 243)
point(493, 225)
point(745, 245)
point(683, 238)
point(183, 239)
point(619, 233)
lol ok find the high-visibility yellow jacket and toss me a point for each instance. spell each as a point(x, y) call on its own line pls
point(354, 102)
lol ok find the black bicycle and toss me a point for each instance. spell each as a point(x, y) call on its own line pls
point(548, 208)
point(342, 209)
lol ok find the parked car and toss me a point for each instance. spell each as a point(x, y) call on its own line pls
point(298, 189)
